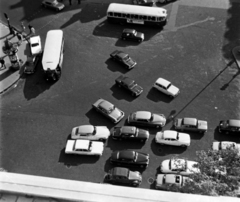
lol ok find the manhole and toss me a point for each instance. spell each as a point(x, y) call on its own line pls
point(150, 180)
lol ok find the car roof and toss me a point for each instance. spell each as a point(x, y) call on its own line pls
point(128, 129)
point(170, 134)
point(128, 81)
point(163, 82)
point(190, 121)
point(120, 171)
point(106, 105)
point(122, 54)
point(126, 154)
point(234, 123)
point(129, 30)
point(177, 163)
point(143, 115)
point(82, 144)
point(86, 129)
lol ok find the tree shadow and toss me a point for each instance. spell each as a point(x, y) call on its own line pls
point(70, 160)
point(164, 150)
point(157, 96)
point(226, 85)
point(232, 29)
point(115, 66)
point(170, 117)
point(121, 93)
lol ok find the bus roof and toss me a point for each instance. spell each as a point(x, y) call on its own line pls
point(52, 49)
point(138, 10)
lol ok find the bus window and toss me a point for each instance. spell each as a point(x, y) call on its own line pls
point(145, 17)
point(124, 15)
point(128, 15)
point(110, 14)
point(117, 14)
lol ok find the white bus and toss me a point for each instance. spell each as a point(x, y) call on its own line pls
point(124, 13)
point(53, 54)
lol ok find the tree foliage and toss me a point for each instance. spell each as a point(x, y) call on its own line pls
point(220, 173)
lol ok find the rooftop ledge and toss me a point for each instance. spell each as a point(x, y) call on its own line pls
point(30, 186)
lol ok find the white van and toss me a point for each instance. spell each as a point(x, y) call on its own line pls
point(53, 54)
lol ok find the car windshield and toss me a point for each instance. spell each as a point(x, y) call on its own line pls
point(90, 146)
point(135, 156)
point(169, 85)
point(110, 109)
point(94, 130)
point(177, 136)
point(126, 57)
point(35, 44)
point(131, 85)
point(151, 118)
point(134, 32)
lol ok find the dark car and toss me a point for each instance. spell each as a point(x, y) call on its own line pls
point(231, 126)
point(130, 133)
point(123, 58)
point(31, 64)
point(130, 158)
point(132, 34)
point(123, 176)
point(148, 119)
point(129, 84)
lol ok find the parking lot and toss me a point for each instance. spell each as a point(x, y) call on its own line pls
point(194, 54)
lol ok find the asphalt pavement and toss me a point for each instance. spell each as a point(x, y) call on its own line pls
point(194, 52)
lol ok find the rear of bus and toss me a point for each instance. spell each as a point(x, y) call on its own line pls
point(53, 55)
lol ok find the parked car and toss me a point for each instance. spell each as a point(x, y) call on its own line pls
point(165, 181)
point(129, 84)
point(35, 45)
point(31, 64)
point(123, 58)
point(231, 126)
point(84, 147)
point(130, 133)
point(145, 118)
point(144, 2)
point(166, 87)
point(171, 137)
point(119, 175)
point(54, 4)
point(109, 110)
point(179, 166)
point(224, 145)
point(133, 35)
point(130, 158)
point(190, 124)
point(90, 132)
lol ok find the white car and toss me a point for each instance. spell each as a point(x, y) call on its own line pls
point(224, 145)
point(179, 166)
point(171, 137)
point(90, 132)
point(54, 4)
point(84, 147)
point(166, 87)
point(35, 45)
point(164, 180)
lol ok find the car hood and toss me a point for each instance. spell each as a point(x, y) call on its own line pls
point(142, 158)
point(102, 131)
point(114, 155)
point(137, 89)
point(159, 119)
point(183, 137)
point(173, 90)
point(134, 175)
point(215, 146)
point(202, 125)
point(143, 133)
point(140, 35)
point(116, 113)
point(165, 166)
point(36, 50)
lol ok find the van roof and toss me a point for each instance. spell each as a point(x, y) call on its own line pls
point(52, 49)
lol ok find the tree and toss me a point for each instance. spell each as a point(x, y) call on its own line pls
point(220, 173)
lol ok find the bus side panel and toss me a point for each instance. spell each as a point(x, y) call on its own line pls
point(117, 20)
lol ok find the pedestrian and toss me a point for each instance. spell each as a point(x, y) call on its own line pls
point(70, 2)
point(12, 30)
point(79, 1)
point(2, 63)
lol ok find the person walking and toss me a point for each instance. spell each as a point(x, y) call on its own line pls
point(3, 66)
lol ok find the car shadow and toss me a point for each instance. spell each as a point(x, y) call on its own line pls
point(158, 4)
point(115, 66)
point(156, 96)
point(70, 160)
point(225, 137)
point(97, 119)
point(121, 93)
point(123, 144)
point(164, 150)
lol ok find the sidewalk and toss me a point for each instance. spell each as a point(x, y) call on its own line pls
point(9, 77)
